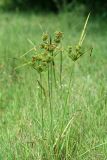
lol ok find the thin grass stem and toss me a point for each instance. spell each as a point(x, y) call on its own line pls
point(42, 112)
point(69, 86)
point(61, 70)
point(50, 98)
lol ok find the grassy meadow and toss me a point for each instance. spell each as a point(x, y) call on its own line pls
point(79, 120)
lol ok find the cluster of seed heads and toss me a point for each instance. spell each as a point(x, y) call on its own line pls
point(48, 48)
point(75, 53)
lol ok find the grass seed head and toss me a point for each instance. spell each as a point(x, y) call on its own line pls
point(77, 48)
point(45, 37)
point(58, 37)
point(52, 47)
point(73, 57)
point(70, 49)
point(42, 45)
point(75, 53)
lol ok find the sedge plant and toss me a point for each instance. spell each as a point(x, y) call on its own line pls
point(44, 63)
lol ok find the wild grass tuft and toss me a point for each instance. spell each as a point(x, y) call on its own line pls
point(44, 60)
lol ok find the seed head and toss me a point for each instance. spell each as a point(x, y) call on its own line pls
point(69, 49)
point(52, 47)
point(45, 37)
point(42, 45)
point(58, 36)
point(74, 57)
point(39, 68)
point(77, 48)
point(33, 59)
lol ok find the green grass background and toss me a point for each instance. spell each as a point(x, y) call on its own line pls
point(20, 115)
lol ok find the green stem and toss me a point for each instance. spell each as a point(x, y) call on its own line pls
point(68, 92)
point(42, 112)
point(61, 78)
point(50, 97)
point(61, 70)
point(54, 74)
point(69, 85)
